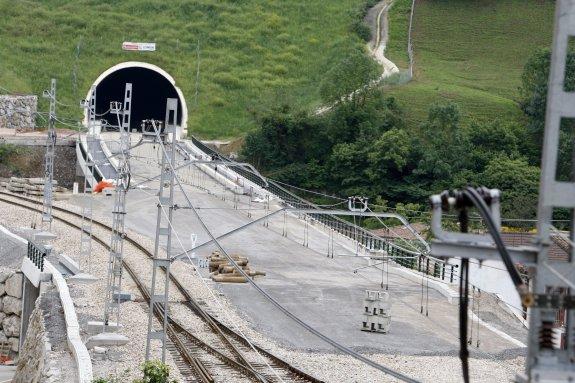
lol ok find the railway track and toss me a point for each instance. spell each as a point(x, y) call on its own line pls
point(197, 360)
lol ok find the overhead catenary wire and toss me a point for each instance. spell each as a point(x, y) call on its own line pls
point(216, 300)
point(288, 313)
point(486, 214)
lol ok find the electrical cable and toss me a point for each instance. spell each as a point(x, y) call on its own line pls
point(64, 105)
point(521, 287)
point(463, 303)
point(409, 244)
point(210, 291)
point(280, 307)
point(66, 124)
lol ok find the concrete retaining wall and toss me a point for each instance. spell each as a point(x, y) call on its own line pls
point(77, 347)
point(34, 358)
point(18, 112)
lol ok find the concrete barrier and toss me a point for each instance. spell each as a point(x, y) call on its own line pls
point(77, 347)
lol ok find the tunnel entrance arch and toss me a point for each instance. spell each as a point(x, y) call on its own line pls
point(151, 86)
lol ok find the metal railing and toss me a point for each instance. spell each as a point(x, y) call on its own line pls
point(417, 259)
point(36, 255)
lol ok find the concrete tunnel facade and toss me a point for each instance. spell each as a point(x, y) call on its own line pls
point(151, 86)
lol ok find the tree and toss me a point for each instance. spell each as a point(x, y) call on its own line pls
point(489, 140)
point(351, 77)
point(285, 137)
point(443, 146)
point(533, 97)
point(519, 183)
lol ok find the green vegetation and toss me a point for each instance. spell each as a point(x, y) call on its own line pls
point(153, 371)
point(252, 52)
point(15, 160)
point(363, 146)
point(398, 17)
point(468, 52)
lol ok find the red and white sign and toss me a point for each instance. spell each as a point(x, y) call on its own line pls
point(127, 46)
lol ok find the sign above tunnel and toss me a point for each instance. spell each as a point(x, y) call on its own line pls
point(128, 46)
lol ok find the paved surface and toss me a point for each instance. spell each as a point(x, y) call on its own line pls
point(321, 291)
point(7, 373)
point(95, 149)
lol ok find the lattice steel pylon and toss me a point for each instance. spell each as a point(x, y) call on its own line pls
point(116, 255)
point(88, 199)
point(551, 286)
point(545, 363)
point(49, 156)
point(167, 138)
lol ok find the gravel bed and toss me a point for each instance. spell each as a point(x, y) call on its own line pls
point(330, 367)
point(89, 301)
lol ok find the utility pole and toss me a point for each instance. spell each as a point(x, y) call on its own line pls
point(544, 362)
point(161, 260)
point(88, 199)
point(114, 281)
point(49, 156)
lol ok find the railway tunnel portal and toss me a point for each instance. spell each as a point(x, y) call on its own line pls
point(151, 86)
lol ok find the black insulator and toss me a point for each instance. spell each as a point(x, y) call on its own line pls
point(546, 335)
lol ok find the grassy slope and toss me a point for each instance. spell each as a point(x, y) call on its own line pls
point(253, 52)
point(398, 18)
point(471, 52)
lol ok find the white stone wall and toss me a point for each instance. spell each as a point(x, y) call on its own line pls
point(10, 307)
point(33, 366)
point(18, 112)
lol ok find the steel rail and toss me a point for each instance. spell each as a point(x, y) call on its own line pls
point(196, 364)
point(191, 303)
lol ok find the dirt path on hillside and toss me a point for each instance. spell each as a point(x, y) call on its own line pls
point(377, 18)
point(378, 21)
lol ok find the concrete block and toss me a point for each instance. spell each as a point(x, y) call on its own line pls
point(33, 273)
point(44, 236)
point(13, 285)
point(106, 339)
point(11, 325)
point(82, 279)
point(100, 350)
point(96, 327)
point(14, 343)
point(12, 305)
point(69, 263)
point(123, 297)
point(376, 323)
point(5, 274)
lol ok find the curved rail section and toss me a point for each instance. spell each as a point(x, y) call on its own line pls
point(182, 339)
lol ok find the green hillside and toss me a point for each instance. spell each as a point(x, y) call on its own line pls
point(470, 52)
point(252, 52)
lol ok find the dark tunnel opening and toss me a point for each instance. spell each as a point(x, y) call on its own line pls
point(149, 93)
